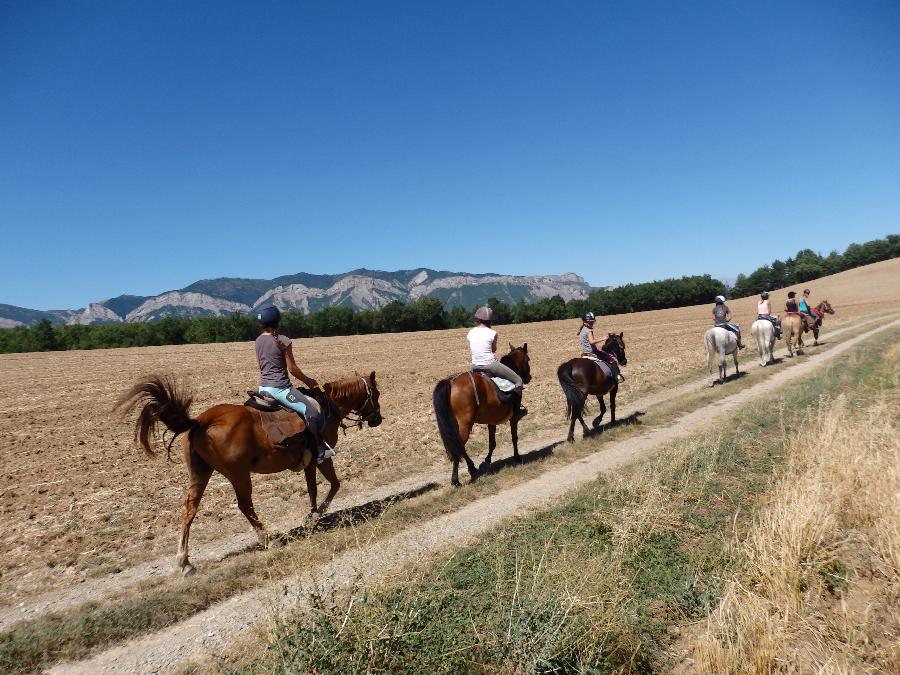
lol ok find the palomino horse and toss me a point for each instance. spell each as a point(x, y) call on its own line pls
point(232, 440)
point(763, 333)
point(819, 311)
point(582, 377)
point(470, 398)
point(792, 327)
point(724, 342)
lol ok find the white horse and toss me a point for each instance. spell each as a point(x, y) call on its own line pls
point(763, 332)
point(724, 342)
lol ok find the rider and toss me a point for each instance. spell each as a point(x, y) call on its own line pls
point(722, 319)
point(791, 305)
point(276, 359)
point(764, 311)
point(483, 343)
point(805, 308)
point(589, 345)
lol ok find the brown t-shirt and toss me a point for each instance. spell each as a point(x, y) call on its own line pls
point(272, 366)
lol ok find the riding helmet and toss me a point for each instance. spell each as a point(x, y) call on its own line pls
point(791, 294)
point(764, 294)
point(806, 291)
point(720, 299)
point(484, 314)
point(269, 316)
point(588, 317)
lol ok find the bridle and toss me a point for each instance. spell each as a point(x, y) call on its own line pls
point(359, 419)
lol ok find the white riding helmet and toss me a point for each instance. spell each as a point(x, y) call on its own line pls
point(484, 313)
point(720, 298)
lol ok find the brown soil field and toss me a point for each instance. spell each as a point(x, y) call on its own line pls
point(79, 499)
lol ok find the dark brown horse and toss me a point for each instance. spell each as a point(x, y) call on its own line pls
point(581, 377)
point(470, 398)
point(236, 440)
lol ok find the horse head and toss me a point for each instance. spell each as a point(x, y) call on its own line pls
point(357, 395)
point(517, 359)
point(615, 344)
point(825, 307)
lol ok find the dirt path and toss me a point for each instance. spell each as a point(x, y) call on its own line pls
point(212, 552)
point(211, 631)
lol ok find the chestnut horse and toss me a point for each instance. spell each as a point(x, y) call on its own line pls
point(582, 377)
point(469, 398)
point(819, 311)
point(230, 439)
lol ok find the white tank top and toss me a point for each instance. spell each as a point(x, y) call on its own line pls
point(481, 339)
point(763, 307)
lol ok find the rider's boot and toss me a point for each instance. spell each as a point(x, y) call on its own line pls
point(323, 450)
point(519, 410)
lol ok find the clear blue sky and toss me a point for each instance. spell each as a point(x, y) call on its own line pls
point(145, 145)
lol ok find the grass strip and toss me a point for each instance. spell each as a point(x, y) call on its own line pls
point(593, 584)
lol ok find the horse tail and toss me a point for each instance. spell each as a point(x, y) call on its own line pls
point(446, 421)
point(574, 399)
point(159, 400)
point(709, 342)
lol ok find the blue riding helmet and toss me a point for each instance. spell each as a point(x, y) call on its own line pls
point(269, 316)
point(587, 317)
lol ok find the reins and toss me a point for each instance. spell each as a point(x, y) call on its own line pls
point(359, 420)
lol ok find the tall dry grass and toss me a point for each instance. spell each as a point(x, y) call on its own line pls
point(820, 586)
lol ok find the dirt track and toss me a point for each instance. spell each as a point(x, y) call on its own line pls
point(212, 630)
point(78, 502)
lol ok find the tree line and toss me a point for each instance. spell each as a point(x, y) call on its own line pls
point(430, 313)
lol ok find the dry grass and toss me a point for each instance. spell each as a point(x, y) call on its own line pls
point(820, 586)
point(77, 499)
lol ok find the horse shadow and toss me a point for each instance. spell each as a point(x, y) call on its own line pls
point(524, 458)
point(733, 377)
point(354, 515)
point(630, 420)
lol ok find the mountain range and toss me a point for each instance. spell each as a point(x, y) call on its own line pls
point(360, 289)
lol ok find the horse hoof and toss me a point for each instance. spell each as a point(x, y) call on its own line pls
point(311, 519)
point(188, 570)
point(455, 483)
point(570, 439)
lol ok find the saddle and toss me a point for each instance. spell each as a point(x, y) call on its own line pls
point(266, 403)
point(611, 371)
point(283, 426)
point(503, 388)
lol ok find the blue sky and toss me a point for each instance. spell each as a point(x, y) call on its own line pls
point(145, 145)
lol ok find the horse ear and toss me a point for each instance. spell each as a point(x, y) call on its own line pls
point(525, 348)
point(372, 377)
point(511, 348)
point(622, 334)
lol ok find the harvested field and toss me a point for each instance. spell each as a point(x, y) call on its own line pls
point(78, 499)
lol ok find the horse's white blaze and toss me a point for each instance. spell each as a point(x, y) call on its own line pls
point(763, 333)
point(724, 342)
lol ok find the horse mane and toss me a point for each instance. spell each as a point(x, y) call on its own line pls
point(341, 390)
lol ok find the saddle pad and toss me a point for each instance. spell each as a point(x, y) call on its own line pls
point(603, 365)
point(283, 427)
point(503, 384)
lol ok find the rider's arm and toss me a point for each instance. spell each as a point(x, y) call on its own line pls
point(591, 338)
point(294, 369)
point(494, 344)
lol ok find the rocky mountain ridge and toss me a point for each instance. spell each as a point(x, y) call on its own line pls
point(359, 289)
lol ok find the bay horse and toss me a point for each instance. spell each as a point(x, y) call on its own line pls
point(232, 440)
point(469, 398)
point(819, 311)
point(582, 377)
point(724, 342)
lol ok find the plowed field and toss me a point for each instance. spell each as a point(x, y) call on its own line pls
point(77, 498)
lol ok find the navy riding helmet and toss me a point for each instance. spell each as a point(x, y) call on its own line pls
point(588, 317)
point(269, 316)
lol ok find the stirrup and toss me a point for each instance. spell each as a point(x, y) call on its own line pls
point(323, 452)
point(521, 412)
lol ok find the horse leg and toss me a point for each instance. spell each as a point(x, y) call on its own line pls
point(199, 475)
point(514, 433)
point(599, 419)
point(327, 469)
point(815, 335)
point(312, 488)
point(737, 370)
point(465, 429)
point(243, 490)
point(612, 405)
point(492, 443)
point(571, 436)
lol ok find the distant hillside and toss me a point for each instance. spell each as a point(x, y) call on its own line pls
point(358, 289)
